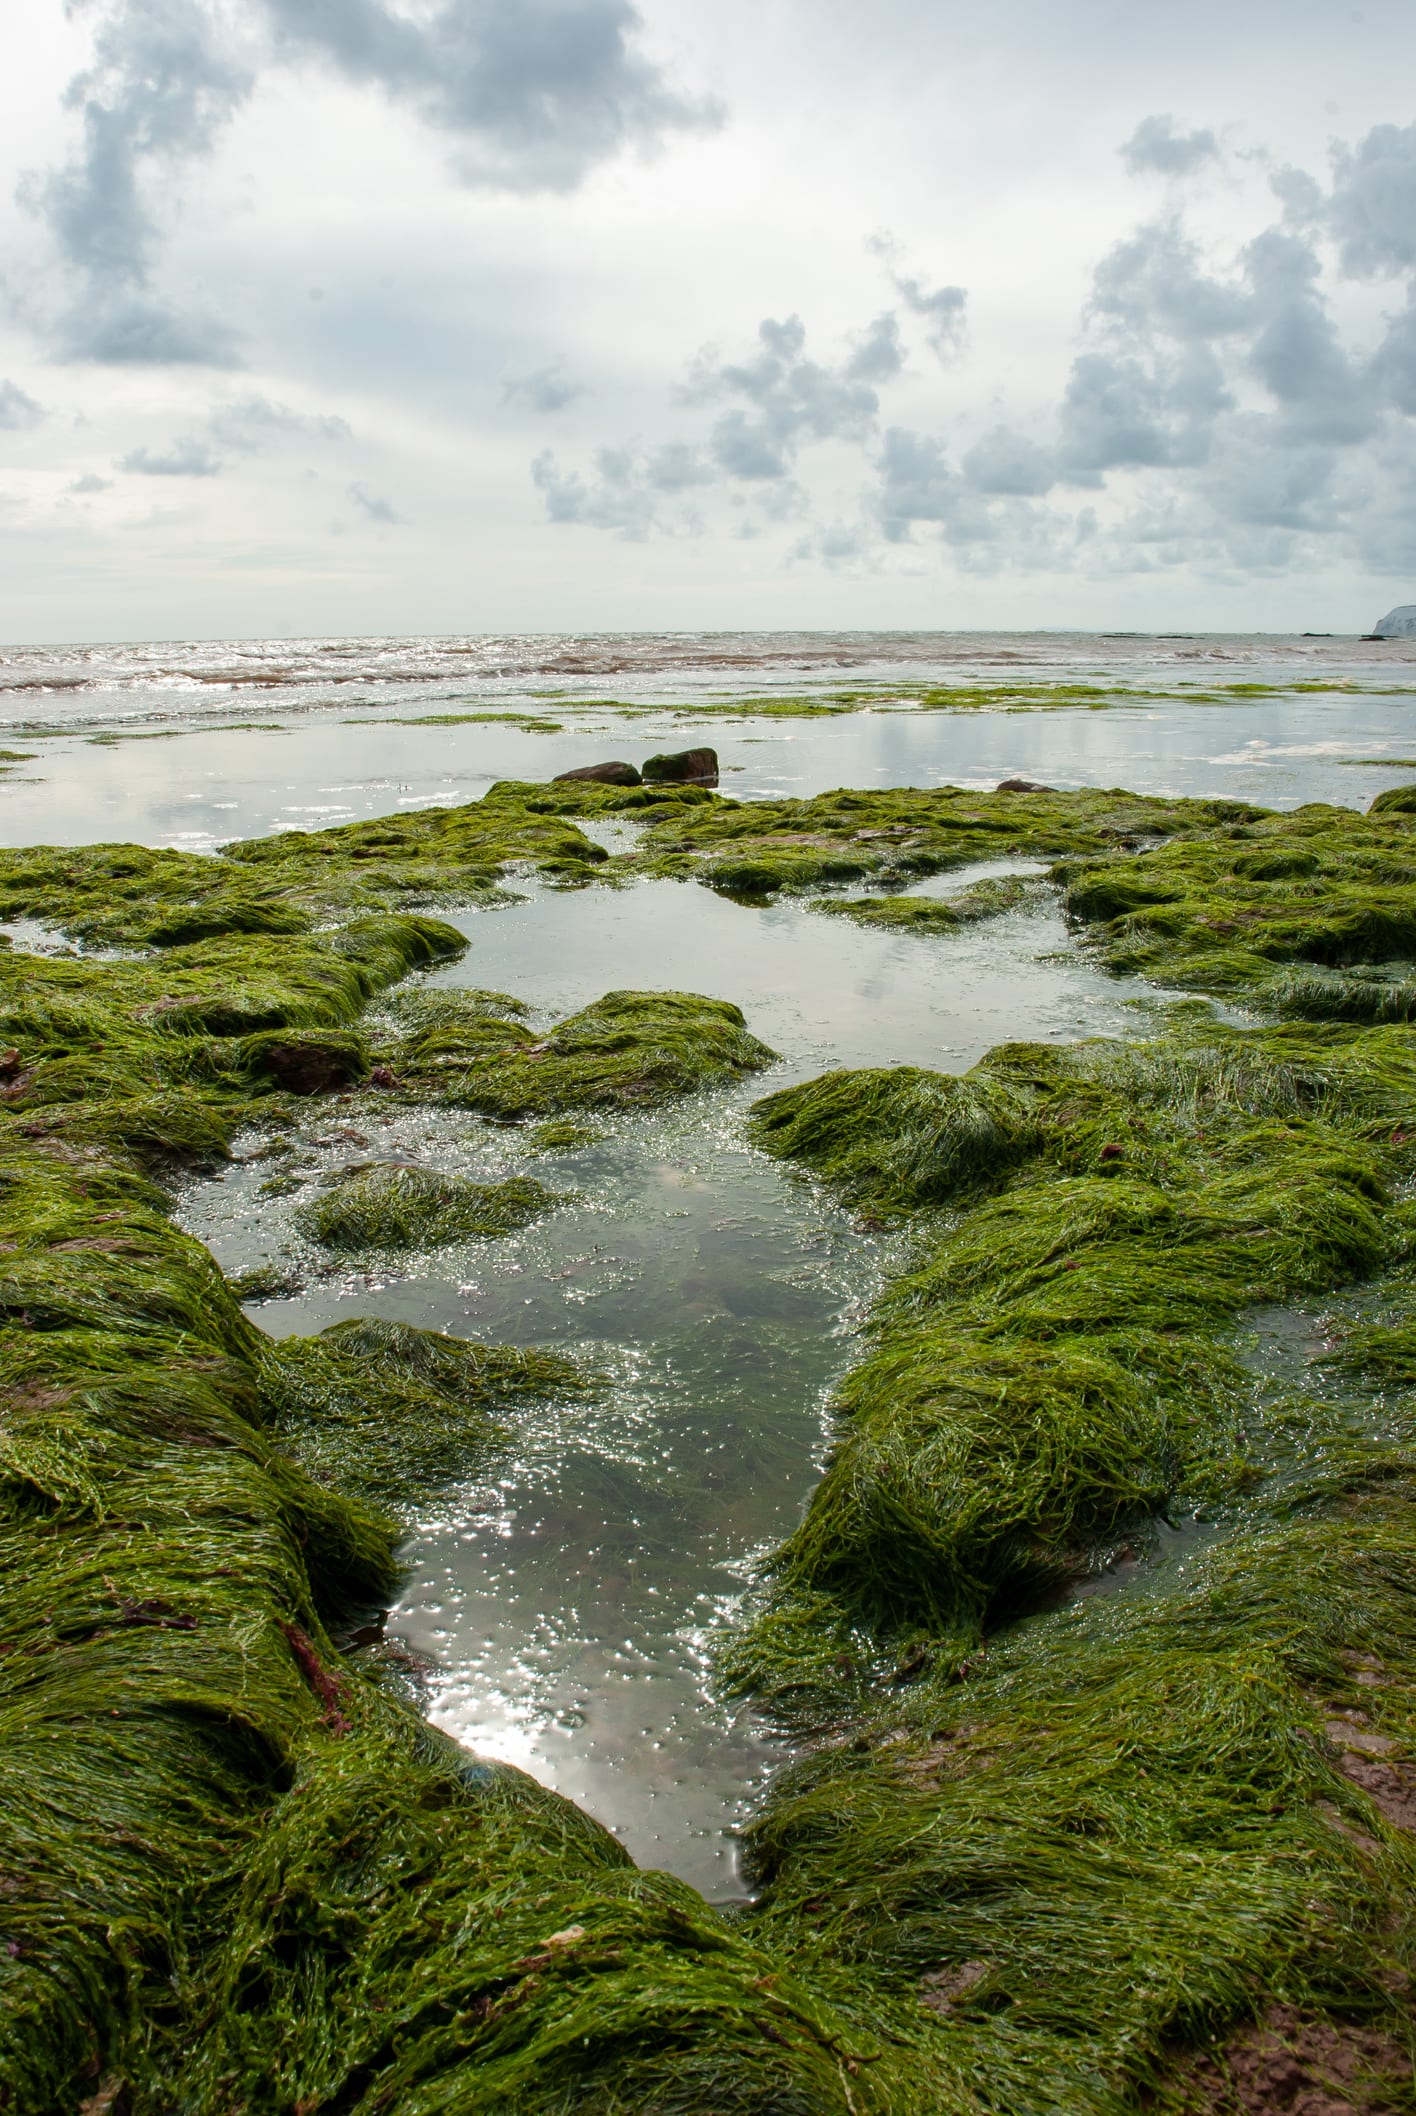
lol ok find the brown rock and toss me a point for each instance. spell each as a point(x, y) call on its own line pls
point(613, 774)
point(1022, 786)
point(684, 767)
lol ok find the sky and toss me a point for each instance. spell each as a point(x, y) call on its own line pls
point(399, 316)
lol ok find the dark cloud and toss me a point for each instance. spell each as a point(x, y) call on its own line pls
point(544, 389)
point(531, 97)
point(374, 508)
point(1157, 148)
point(838, 546)
point(534, 95)
point(164, 81)
point(985, 531)
point(1120, 412)
point(1261, 479)
point(1154, 284)
point(242, 426)
point(1372, 210)
point(184, 459)
point(917, 483)
point(1394, 364)
point(17, 408)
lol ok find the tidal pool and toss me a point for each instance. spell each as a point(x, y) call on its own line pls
point(567, 1602)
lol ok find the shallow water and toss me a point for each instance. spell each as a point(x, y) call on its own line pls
point(568, 1601)
point(199, 788)
point(223, 740)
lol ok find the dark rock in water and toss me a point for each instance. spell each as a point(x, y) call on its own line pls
point(1022, 786)
point(603, 774)
point(684, 767)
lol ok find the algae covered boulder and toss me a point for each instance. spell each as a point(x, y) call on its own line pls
point(897, 1138)
point(394, 1205)
point(611, 774)
point(684, 767)
point(629, 1049)
point(307, 1061)
point(381, 1409)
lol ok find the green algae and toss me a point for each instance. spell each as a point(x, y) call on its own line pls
point(1129, 1825)
point(393, 1206)
point(756, 849)
point(1231, 910)
point(525, 723)
point(626, 1050)
point(264, 1282)
point(897, 1138)
point(1083, 1840)
point(561, 1135)
point(1054, 1365)
point(234, 1865)
point(382, 1410)
point(932, 914)
point(1028, 1861)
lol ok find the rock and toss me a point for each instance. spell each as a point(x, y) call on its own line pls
point(684, 767)
point(306, 1061)
point(1399, 623)
point(614, 774)
point(1022, 786)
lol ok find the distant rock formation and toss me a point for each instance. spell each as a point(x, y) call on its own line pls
point(1397, 624)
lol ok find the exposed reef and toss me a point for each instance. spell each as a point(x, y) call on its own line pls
point(1046, 1850)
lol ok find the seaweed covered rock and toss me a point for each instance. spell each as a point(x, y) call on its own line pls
point(394, 1205)
point(1229, 909)
point(756, 849)
point(683, 767)
point(613, 774)
point(898, 1138)
point(628, 1049)
point(237, 1871)
point(382, 1409)
point(1055, 1365)
point(1093, 1845)
point(307, 1061)
point(934, 914)
point(1134, 1824)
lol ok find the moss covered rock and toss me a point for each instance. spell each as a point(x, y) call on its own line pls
point(629, 1049)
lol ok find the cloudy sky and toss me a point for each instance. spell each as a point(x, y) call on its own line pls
point(484, 315)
